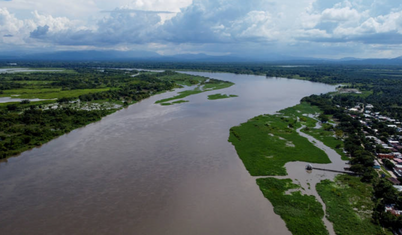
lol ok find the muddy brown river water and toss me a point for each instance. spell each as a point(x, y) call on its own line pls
point(150, 169)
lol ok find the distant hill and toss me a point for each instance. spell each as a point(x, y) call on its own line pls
point(112, 55)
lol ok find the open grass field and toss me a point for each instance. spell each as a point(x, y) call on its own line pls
point(302, 213)
point(349, 205)
point(48, 93)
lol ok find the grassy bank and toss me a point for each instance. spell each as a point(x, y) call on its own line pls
point(220, 96)
point(267, 142)
point(326, 136)
point(349, 205)
point(303, 214)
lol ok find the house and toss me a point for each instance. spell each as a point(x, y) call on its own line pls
point(385, 156)
point(398, 187)
point(392, 210)
point(394, 181)
point(397, 171)
point(398, 161)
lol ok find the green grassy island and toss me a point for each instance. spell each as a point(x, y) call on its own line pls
point(202, 86)
point(220, 96)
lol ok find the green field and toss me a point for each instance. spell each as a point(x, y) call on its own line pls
point(48, 93)
point(302, 214)
point(349, 205)
point(220, 96)
point(267, 142)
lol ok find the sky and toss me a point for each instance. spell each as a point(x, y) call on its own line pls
point(258, 28)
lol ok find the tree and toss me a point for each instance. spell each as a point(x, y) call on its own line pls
point(388, 164)
point(338, 133)
point(323, 118)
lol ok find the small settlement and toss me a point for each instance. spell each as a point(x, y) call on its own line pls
point(385, 134)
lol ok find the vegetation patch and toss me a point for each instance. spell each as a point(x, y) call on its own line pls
point(175, 102)
point(211, 84)
point(275, 135)
point(181, 95)
point(349, 205)
point(326, 135)
point(302, 213)
point(220, 96)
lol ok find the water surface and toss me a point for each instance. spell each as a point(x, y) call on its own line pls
point(150, 169)
point(26, 70)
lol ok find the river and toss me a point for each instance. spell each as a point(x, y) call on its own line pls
point(150, 169)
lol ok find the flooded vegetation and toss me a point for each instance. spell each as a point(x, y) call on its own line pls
point(220, 96)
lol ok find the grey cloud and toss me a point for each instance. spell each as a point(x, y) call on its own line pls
point(378, 38)
point(115, 29)
point(8, 35)
point(39, 32)
point(381, 38)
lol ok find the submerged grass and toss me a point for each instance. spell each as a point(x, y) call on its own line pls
point(302, 213)
point(349, 205)
point(175, 102)
point(220, 96)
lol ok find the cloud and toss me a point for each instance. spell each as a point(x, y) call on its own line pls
point(138, 11)
point(220, 26)
point(39, 32)
point(340, 14)
point(8, 35)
